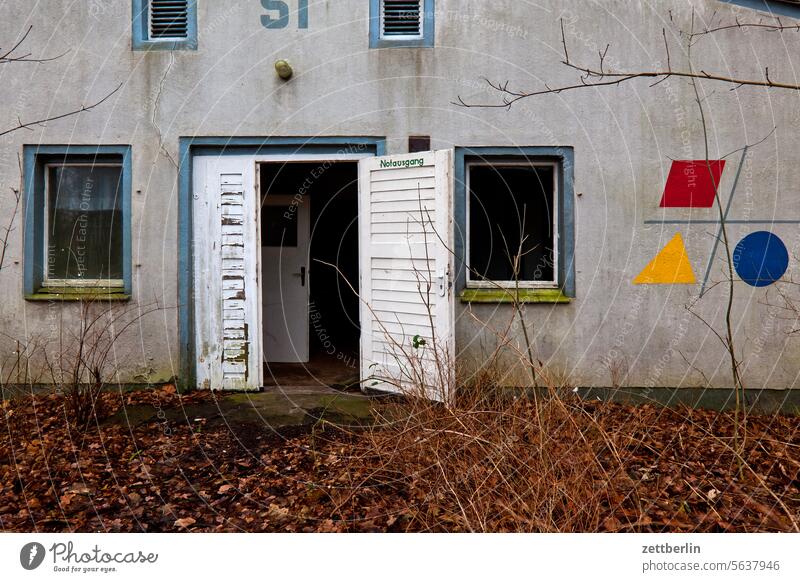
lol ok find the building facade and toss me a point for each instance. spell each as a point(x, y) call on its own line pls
point(278, 182)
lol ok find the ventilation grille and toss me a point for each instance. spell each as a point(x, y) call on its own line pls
point(169, 19)
point(402, 18)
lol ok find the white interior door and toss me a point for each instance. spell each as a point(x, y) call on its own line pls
point(406, 242)
point(225, 229)
point(285, 240)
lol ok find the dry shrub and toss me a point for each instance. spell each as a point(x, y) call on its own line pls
point(495, 460)
point(84, 362)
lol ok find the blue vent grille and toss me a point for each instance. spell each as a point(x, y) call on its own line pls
point(169, 19)
point(401, 18)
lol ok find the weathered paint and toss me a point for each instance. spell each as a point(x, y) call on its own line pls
point(512, 295)
point(277, 147)
point(226, 96)
point(225, 218)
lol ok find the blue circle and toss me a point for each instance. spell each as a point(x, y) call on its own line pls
point(760, 258)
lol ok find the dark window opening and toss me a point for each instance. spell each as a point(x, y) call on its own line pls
point(419, 143)
point(83, 240)
point(512, 223)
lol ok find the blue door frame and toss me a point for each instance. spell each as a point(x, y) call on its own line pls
point(193, 146)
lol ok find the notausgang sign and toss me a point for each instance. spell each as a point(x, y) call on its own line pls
point(418, 162)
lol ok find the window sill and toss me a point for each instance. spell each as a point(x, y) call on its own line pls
point(188, 44)
point(383, 43)
point(507, 296)
point(78, 294)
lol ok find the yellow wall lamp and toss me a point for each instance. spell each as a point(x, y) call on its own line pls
point(284, 69)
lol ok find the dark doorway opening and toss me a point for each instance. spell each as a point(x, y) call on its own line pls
point(331, 191)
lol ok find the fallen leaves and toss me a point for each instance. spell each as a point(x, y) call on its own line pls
point(603, 467)
point(185, 522)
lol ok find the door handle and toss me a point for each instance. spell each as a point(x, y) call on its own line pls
point(303, 276)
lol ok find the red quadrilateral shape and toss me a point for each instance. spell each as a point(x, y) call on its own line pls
point(689, 184)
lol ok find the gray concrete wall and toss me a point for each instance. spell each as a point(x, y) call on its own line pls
point(624, 138)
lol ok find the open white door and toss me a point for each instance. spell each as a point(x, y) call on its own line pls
point(226, 294)
point(285, 239)
point(407, 303)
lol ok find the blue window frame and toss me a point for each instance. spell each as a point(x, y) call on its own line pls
point(177, 32)
point(538, 185)
point(77, 221)
point(401, 24)
point(776, 7)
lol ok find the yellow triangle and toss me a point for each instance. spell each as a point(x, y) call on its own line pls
point(669, 267)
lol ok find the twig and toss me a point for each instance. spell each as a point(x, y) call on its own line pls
point(8, 58)
point(82, 109)
point(603, 78)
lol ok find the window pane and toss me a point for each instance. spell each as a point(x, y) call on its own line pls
point(84, 234)
point(511, 213)
point(279, 226)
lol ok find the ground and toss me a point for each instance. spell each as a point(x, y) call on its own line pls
point(306, 462)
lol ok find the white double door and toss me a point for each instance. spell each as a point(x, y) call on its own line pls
point(251, 273)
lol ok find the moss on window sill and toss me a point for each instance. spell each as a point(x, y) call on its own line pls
point(79, 294)
point(507, 296)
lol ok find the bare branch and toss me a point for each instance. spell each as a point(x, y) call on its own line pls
point(617, 78)
point(777, 27)
point(593, 77)
point(8, 56)
point(81, 109)
point(10, 228)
